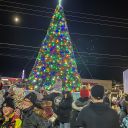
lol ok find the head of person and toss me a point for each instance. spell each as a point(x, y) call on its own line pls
point(29, 100)
point(97, 93)
point(8, 106)
point(84, 92)
point(67, 95)
point(126, 98)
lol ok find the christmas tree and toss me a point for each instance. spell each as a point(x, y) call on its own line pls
point(56, 59)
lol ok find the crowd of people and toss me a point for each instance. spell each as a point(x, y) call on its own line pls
point(95, 108)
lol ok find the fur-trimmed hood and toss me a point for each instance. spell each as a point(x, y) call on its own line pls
point(80, 104)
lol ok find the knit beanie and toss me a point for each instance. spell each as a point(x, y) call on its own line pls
point(97, 92)
point(84, 93)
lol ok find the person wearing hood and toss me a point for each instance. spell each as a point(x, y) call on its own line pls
point(64, 110)
point(11, 117)
point(78, 105)
point(97, 114)
point(30, 119)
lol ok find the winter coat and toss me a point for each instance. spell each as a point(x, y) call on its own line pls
point(32, 120)
point(124, 123)
point(77, 106)
point(106, 100)
point(1, 98)
point(98, 115)
point(13, 122)
point(51, 97)
point(64, 110)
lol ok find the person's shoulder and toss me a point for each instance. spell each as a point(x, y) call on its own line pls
point(110, 110)
point(85, 109)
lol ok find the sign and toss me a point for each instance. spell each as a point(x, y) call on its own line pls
point(125, 81)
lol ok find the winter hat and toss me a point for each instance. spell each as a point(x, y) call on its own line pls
point(32, 97)
point(9, 102)
point(84, 93)
point(97, 92)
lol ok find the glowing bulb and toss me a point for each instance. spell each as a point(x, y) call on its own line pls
point(16, 19)
point(60, 1)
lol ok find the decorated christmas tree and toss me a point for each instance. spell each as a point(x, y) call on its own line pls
point(56, 58)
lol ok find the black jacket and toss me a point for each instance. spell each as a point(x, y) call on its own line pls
point(32, 120)
point(77, 106)
point(97, 115)
point(64, 110)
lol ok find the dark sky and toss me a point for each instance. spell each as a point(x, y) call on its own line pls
point(104, 56)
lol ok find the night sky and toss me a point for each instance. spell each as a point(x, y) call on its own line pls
point(100, 42)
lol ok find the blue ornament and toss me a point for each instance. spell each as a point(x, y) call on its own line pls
point(57, 30)
point(43, 68)
point(62, 28)
point(52, 73)
point(73, 69)
point(42, 58)
point(43, 77)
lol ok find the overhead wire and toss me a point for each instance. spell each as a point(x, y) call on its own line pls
point(33, 58)
point(101, 65)
point(86, 67)
point(15, 56)
point(19, 45)
point(103, 57)
point(102, 54)
point(43, 7)
point(19, 49)
point(79, 21)
point(98, 35)
point(97, 55)
point(36, 10)
point(80, 34)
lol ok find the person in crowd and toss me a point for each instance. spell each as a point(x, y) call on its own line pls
point(124, 123)
point(106, 99)
point(10, 117)
point(124, 113)
point(97, 114)
point(64, 110)
point(1, 83)
point(124, 104)
point(1, 98)
point(78, 105)
point(31, 119)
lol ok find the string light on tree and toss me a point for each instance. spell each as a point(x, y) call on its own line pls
point(60, 1)
point(56, 57)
